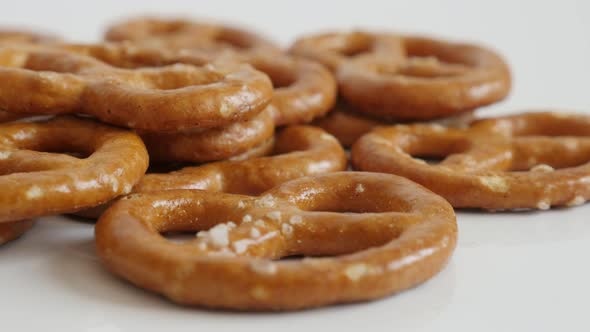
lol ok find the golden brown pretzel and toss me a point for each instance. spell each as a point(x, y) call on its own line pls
point(348, 125)
point(393, 235)
point(169, 98)
point(437, 80)
point(335, 48)
point(298, 151)
point(12, 230)
point(535, 160)
point(185, 34)
point(210, 144)
point(38, 179)
point(303, 89)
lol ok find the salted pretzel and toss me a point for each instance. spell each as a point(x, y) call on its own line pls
point(385, 234)
point(10, 231)
point(438, 79)
point(185, 34)
point(303, 89)
point(211, 144)
point(526, 161)
point(168, 98)
point(298, 151)
point(332, 49)
point(37, 177)
point(348, 126)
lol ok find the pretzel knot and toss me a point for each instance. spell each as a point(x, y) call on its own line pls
point(177, 34)
point(37, 177)
point(386, 234)
point(534, 160)
point(168, 98)
point(437, 79)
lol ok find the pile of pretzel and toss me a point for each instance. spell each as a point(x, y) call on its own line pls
point(243, 145)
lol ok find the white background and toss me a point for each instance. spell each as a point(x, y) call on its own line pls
point(510, 272)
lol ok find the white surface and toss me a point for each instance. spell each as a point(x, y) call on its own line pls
point(510, 272)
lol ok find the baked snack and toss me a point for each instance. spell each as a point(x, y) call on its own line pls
point(524, 161)
point(408, 234)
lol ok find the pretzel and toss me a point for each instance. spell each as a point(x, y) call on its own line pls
point(170, 98)
point(335, 48)
point(185, 34)
point(10, 231)
point(398, 236)
point(298, 151)
point(526, 161)
point(210, 144)
point(36, 183)
point(438, 79)
point(348, 126)
point(303, 89)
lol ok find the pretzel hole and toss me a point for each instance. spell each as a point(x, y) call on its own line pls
point(422, 67)
point(450, 54)
point(433, 149)
point(280, 75)
point(177, 77)
point(179, 237)
point(352, 45)
point(233, 38)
